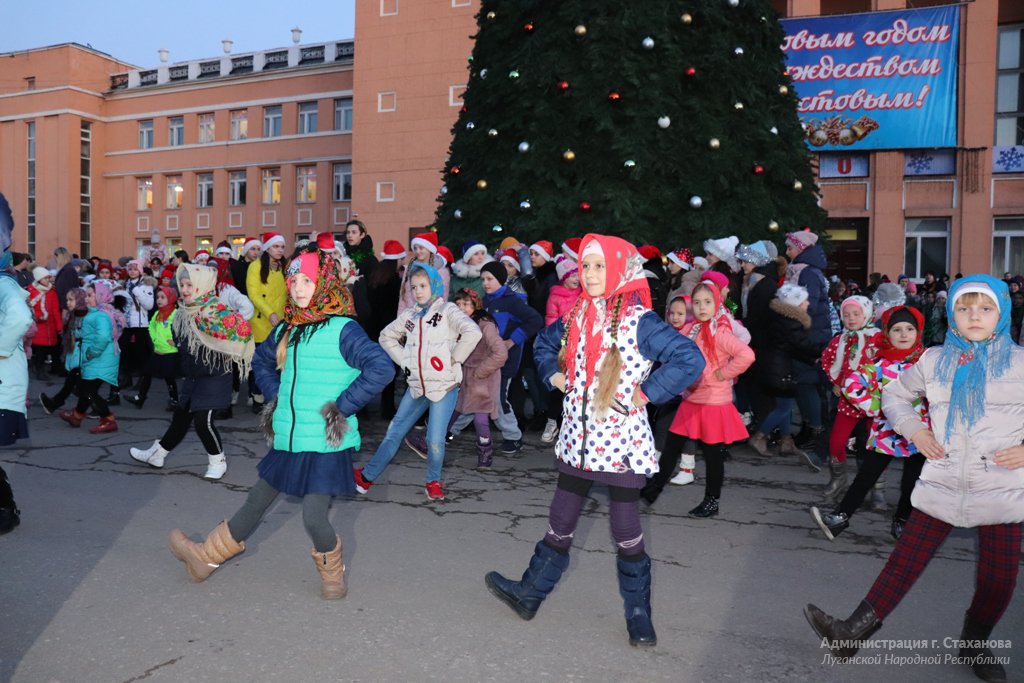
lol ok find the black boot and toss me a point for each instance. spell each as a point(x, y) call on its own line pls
point(635, 589)
point(832, 523)
point(707, 508)
point(48, 404)
point(137, 400)
point(114, 399)
point(837, 479)
point(539, 579)
point(844, 635)
point(10, 515)
point(803, 437)
point(981, 658)
point(897, 528)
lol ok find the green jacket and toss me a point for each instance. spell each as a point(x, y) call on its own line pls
point(160, 333)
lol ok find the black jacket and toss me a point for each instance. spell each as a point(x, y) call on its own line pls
point(788, 340)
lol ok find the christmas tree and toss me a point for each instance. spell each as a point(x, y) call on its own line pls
point(663, 121)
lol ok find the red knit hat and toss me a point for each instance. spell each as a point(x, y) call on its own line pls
point(717, 279)
point(571, 247)
point(393, 251)
point(649, 251)
point(427, 240)
point(544, 249)
point(510, 256)
point(270, 238)
point(446, 253)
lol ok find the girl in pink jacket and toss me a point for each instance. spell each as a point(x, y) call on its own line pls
point(707, 413)
point(563, 296)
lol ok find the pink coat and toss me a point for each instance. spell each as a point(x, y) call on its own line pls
point(734, 357)
point(481, 373)
point(560, 302)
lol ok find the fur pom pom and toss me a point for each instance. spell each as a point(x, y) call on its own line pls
point(337, 425)
point(267, 421)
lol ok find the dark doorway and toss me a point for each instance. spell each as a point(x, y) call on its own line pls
point(848, 253)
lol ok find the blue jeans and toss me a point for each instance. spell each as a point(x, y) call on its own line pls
point(779, 417)
point(409, 411)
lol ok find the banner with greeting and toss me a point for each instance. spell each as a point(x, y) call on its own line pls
point(880, 80)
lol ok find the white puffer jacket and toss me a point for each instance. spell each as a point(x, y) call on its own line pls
point(138, 301)
point(966, 488)
point(431, 348)
point(236, 301)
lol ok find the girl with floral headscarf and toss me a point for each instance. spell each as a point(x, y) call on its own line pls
point(211, 340)
point(973, 384)
point(317, 369)
point(602, 354)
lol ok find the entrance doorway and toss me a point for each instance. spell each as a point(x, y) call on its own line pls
point(848, 256)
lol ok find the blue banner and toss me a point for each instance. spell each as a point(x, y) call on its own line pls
point(881, 80)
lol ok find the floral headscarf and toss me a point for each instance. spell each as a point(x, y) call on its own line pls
point(436, 285)
point(104, 301)
point(215, 334)
point(331, 296)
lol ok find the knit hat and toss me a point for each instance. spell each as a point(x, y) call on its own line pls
point(510, 256)
point(270, 238)
point(724, 248)
point(427, 240)
point(716, 278)
point(38, 273)
point(446, 255)
point(472, 247)
point(497, 270)
point(755, 253)
point(887, 295)
point(223, 247)
point(902, 314)
point(544, 249)
point(682, 257)
point(801, 239)
point(251, 242)
point(792, 295)
point(770, 248)
point(139, 264)
point(649, 251)
point(202, 256)
point(571, 248)
point(508, 243)
point(393, 251)
point(564, 267)
point(701, 262)
point(973, 288)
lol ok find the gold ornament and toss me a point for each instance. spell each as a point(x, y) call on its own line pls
point(491, 15)
point(797, 186)
point(686, 19)
point(738, 106)
point(481, 184)
point(569, 155)
point(783, 90)
point(713, 143)
point(580, 30)
point(773, 226)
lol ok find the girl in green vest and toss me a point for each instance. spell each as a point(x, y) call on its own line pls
point(317, 369)
point(163, 361)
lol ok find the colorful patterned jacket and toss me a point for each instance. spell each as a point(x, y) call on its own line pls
point(863, 389)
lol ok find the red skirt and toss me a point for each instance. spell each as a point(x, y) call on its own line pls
point(709, 423)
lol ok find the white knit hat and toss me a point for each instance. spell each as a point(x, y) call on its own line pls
point(724, 248)
point(792, 295)
point(38, 273)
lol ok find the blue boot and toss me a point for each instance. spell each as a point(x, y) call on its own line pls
point(539, 579)
point(635, 588)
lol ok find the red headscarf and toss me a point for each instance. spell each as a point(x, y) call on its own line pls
point(703, 331)
point(164, 312)
point(224, 276)
point(888, 351)
point(624, 280)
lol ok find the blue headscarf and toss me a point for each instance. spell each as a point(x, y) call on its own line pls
point(436, 286)
point(968, 365)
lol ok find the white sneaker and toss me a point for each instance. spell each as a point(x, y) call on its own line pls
point(234, 397)
point(217, 467)
point(550, 432)
point(152, 456)
point(747, 418)
point(687, 464)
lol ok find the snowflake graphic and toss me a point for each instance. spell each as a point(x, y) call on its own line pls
point(1010, 158)
point(919, 163)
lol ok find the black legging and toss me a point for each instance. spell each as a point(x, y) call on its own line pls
point(206, 430)
point(40, 354)
point(89, 394)
point(147, 381)
point(871, 468)
point(69, 385)
point(668, 466)
point(314, 516)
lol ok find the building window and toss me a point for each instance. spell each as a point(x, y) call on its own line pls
point(343, 114)
point(206, 129)
point(145, 194)
point(927, 247)
point(30, 218)
point(387, 101)
point(388, 8)
point(175, 191)
point(272, 121)
point(342, 182)
point(85, 193)
point(272, 186)
point(385, 191)
point(240, 124)
point(1008, 246)
point(305, 184)
point(236, 188)
point(146, 134)
point(176, 131)
point(1010, 87)
point(455, 93)
point(204, 190)
point(307, 117)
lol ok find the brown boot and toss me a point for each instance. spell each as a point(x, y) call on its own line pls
point(107, 424)
point(202, 558)
point(332, 573)
point(72, 417)
point(759, 442)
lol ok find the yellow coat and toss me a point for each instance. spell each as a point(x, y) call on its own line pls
point(266, 298)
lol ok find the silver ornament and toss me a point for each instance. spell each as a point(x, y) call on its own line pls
point(470, 125)
point(458, 214)
point(773, 130)
point(497, 227)
point(524, 147)
point(629, 163)
point(696, 202)
point(525, 205)
point(444, 189)
point(483, 73)
point(738, 106)
point(513, 74)
point(664, 122)
point(492, 133)
point(734, 3)
point(738, 51)
point(648, 43)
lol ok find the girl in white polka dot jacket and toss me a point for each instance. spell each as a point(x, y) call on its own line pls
point(601, 355)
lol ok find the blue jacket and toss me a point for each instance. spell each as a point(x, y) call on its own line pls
point(96, 351)
point(813, 278)
point(516, 321)
point(681, 361)
point(15, 319)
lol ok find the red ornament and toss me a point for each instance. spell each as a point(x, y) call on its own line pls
point(455, 170)
point(614, 96)
point(463, 109)
point(528, 27)
point(584, 206)
point(691, 72)
point(758, 169)
point(563, 85)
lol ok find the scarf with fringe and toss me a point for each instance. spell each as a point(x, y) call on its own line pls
point(215, 334)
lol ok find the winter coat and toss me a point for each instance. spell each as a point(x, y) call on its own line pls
point(759, 297)
point(268, 298)
point(657, 279)
point(863, 389)
point(516, 321)
point(538, 286)
point(465, 276)
point(15, 321)
point(95, 352)
point(204, 386)
point(560, 302)
point(65, 280)
point(734, 357)
point(240, 274)
point(326, 379)
point(787, 342)
point(690, 281)
point(828, 357)
point(383, 304)
point(966, 488)
point(481, 373)
point(46, 312)
point(617, 442)
point(407, 300)
point(436, 345)
point(236, 301)
point(808, 270)
point(138, 301)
